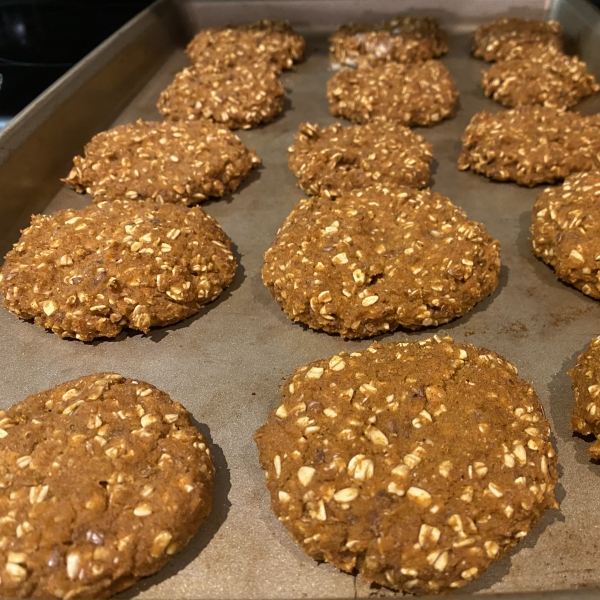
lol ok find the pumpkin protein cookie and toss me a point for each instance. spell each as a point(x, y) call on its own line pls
point(266, 42)
point(103, 479)
point(530, 144)
point(585, 376)
point(124, 264)
point(373, 260)
point(565, 231)
point(337, 159)
point(238, 97)
point(514, 38)
point(401, 39)
point(545, 76)
point(182, 161)
point(422, 93)
point(417, 464)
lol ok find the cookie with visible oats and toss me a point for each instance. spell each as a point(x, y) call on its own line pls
point(530, 144)
point(103, 479)
point(238, 97)
point(401, 39)
point(585, 376)
point(182, 161)
point(514, 38)
point(545, 76)
point(373, 260)
point(422, 93)
point(565, 231)
point(415, 464)
point(265, 42)
point(338, 159)
point(124, 264)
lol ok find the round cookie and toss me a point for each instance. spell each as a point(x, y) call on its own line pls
point(183, 161)
point(565, 231)
point(103, 479)
point(514, 38)
point(271, 43)
point(545, 76)
point(530, 144)
point(373, 260)
point(93, 272)
point(238, 97)
point(420, 93)
point(415, 464)
point(401, 39)
point(585, 376)
point(338, 159)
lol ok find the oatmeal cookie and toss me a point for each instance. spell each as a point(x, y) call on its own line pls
point(338, 159)
point(530, 144)
point(103, 479)
point(565, 231)
point(420, 93)
point(93, 272)
point(238, 97)
point(185, 161)
point(373, 260)
point(545, 76)
point(265, 42)
point(514, 38)
point(416, 464)
point(401, 39)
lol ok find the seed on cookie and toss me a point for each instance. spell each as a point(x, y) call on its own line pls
point(93, 495)
point(514, 38)
point(239, 97)
point(418, 464)
point(565, 231)
point(338, 159)
point(401, 39)
point(530, 144)
point(422, 93)
point(373, 260)
point(123, 264)
point(184, 161)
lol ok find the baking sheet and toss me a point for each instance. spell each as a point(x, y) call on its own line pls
point(227, 363)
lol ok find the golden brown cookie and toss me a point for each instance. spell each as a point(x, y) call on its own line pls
point(338, 159)
point(422, 93)
point(102, 479)
point(565, 231)
point(123, 264)
point(514, 38)
point(401, 39)
point(416, 464)
point(184, 161)
point(530, 144)
point(373, 260)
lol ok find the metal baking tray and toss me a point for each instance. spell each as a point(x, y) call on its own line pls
point(226, 364)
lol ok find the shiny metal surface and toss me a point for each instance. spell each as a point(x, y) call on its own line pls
point(227, 363)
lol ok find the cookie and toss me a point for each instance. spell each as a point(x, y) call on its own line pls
point(182, 161)
point(585, 376)
point(373, 260)
point(514, 38)
point(415, 464)
point(338, 159)
point(401, 39)
point(545, 76)
point(124, 264)
point(420, 93)
point(238, 97)
point(103, 479)
point(265, 42)
point(530, 145)
point(565, 231)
